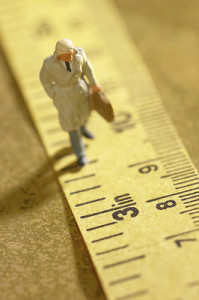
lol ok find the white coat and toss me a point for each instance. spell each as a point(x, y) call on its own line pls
point(69, 90)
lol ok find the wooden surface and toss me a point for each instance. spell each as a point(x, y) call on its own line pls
point(38, 260)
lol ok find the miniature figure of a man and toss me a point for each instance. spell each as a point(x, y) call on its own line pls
point(67, 77)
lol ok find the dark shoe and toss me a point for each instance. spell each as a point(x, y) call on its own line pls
point(87, 133)
point(82, 160)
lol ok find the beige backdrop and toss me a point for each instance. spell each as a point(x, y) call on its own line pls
point(42, 255)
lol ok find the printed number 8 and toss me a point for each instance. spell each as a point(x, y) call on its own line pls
point(166, 204)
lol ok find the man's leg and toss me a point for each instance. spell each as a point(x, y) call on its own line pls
point(86, 132)
point(78, 147)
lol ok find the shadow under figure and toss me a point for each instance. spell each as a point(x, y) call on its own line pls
point(68, 78)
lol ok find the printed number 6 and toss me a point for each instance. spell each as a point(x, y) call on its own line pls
point(148, 169)
point(124, 212)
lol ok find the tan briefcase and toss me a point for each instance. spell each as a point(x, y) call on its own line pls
point(103, 106)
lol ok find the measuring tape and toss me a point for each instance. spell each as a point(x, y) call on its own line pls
point(137, 202)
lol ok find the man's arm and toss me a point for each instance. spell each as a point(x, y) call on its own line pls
point(47, 81)
point(89, 73)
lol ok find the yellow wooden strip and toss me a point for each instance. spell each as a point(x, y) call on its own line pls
point(133, 202)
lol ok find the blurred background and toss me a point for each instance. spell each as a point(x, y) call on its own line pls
point(166, 34)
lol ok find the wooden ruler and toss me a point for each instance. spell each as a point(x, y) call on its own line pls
point(137, 202)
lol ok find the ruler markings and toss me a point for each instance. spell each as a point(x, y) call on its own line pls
point(86, 190)
point(195, 212)
point(179, 234)
point(108, 237)
point(186, 181)
point(165, 196)
point(169, 140)
point(187, 177)
point(124, 279)
point(112, 250)
point(195, 217)
point(104, 211)
point(172, 168)
point(133, 295)
point(152, 116)
point(194, 195)
point(124, 261)
point(191, 201)
point(190, 171)
point(124, 202)
point(142, 111)
point(180, 169)
point(90, 202)
point(182, 187)
point(76, 166)
point(79, 178)
point(58, 143)
point(169, 150)
point(187, 206)
point(186, 211)
point(49, 118)
point(100, 226)
point(172, 156)
point(174, 162)
point(193, 284)
point(54, 130)
point(144, 162)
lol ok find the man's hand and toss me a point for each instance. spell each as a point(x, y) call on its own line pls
point(94, 89)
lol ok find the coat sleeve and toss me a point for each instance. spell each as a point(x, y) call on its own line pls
point(88, 70)
point(46, 80)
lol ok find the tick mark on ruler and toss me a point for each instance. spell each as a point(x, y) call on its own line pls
point(194, 283)
point(187, 206)
point(100, 226)
point(86, 190)
point(79, 178)
point(182, 233)
point(107, 237)
point(143, 162)
point(54, 130)
point(181, 169)
point(121, 280)
point(195, 179)
point(194, 195)
point(182, 187)
point(89, 202)
point(171, 168)
point(107, 210)
point(187, 177)
point(186, 211)
point(112, 250)
point(133, 295)
point(190, 171)
point(162, 197)
point(124, 261)
point(57, 143)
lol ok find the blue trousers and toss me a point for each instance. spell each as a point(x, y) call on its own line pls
point(77, 143)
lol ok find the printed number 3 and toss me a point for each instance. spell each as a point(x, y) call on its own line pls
point(124, 212)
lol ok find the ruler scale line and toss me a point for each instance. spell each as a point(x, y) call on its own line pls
point(112, 250)
point(133, 295)
point(107, 237)
point(121, 280)
point(100, 226)
point(124, 261)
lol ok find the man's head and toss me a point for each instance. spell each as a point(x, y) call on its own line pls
point(65, 50)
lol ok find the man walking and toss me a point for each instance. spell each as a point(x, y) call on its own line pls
point(68, 78)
